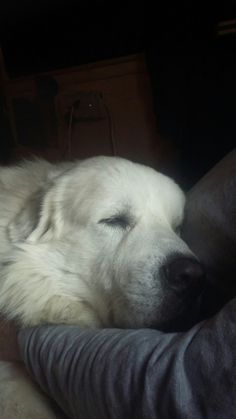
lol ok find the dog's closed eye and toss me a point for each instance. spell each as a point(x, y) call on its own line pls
point(120, 221)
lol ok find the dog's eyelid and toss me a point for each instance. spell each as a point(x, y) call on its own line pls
point(121, 220)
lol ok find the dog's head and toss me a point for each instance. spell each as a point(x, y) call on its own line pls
point(104, 236)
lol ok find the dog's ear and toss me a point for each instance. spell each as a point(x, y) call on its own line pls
point(25, 221)
point(39, 219)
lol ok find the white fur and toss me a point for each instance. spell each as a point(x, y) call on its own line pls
point(62, 260)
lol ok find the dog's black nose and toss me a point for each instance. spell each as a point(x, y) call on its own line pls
point(184, 274)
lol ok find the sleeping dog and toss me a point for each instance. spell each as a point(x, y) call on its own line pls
point(94, 243)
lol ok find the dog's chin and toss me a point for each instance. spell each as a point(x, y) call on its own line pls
point(207, 304)
point(182, 319)
point(174, 315)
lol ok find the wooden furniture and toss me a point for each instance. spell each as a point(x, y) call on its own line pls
point(100, 108)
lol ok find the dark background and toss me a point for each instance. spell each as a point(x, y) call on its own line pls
point(192, 69)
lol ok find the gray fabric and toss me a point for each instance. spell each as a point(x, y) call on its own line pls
point(210, 231)
point(210, 222)
point(125, 374)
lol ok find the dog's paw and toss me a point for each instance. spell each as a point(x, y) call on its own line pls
point(64, 310)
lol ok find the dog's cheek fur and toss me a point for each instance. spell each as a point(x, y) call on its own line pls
point(34, 292)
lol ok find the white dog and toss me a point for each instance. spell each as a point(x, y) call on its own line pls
point(93, 243)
